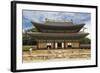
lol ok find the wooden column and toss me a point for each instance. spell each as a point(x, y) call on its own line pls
point(37, 44)
point(64, 44)
point(54, 44)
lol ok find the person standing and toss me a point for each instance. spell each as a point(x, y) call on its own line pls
point(30, 53)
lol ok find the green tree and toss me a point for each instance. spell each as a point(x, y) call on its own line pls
point(28, 40)
point(85, 41)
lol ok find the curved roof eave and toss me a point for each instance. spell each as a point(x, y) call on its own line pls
point(43, 27)
point(54, 36)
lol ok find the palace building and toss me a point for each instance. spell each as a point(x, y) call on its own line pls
point(57, 35)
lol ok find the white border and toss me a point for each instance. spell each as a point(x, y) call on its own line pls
point(21, 65)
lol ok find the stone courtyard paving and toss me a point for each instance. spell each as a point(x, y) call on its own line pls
point(46, 55)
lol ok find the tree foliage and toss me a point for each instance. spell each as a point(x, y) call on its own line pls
point(28, 40)
point(85, 41)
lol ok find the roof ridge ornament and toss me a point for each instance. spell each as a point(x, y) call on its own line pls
point(50, 20)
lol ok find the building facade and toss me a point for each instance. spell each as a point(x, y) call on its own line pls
point(57, 35)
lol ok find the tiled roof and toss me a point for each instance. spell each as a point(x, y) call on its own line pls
point(58, 27)
point(40, 35)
